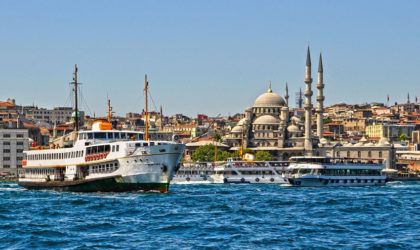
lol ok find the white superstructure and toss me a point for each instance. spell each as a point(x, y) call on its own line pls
point(325, 171)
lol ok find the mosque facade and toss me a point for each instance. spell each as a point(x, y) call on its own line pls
point(270, 124)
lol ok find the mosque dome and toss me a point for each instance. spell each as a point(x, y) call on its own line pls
point(266, 119)
point(237, 129)
point(383, 142)
point(269, 99)
point(293, 129)
point(295, 119)
point(241, 122)
point(323, 141)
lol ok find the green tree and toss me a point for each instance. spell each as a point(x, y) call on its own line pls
point(263, 156)
point(403, 137)
point(204, 153)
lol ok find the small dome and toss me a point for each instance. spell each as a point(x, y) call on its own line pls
point(269, 99)
point(241, 122)
point(237, 129)
point(266, 119)
point(295, 119)
point(293, 129)
point(383, 142)
point(73, 115)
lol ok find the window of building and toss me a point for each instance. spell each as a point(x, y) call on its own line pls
point(6, 158)
point(6, 143)
point(19, 135)
point(19, 150)
point(6, 150)
point(6, 135)
point(20, 143)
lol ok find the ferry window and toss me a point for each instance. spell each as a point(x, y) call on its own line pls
point(123, 136)
point(80, 136)
point(118, 148)
point(113, 148)
point(139, 136)
point(117, 135)
point(100, 135)
point(90, 136)
point(138, 145)
point(110, 135)
point(132, 136)
point(107, 148)
point(152, 143)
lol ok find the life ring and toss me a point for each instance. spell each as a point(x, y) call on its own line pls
point(243, 180)
point(257, 179)
point(188, 179)
point(272, 179)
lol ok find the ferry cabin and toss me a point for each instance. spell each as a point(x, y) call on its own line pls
point(325, 171)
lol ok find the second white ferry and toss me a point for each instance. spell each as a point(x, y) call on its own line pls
point(325, 171)
point(238, 171)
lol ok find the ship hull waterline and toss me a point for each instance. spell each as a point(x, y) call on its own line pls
point(111, 184)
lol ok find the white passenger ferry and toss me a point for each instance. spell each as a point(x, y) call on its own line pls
point(103, 160)
point(325, 171)
point(194, 173)
point(237, 171)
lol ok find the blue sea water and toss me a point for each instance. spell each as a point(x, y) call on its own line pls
point(213, 217)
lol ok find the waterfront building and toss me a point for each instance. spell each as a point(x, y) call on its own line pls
point(363, 149)
point(12, 144)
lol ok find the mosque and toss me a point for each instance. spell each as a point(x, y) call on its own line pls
point(270, 124)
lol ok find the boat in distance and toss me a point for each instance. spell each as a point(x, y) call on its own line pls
point(326, 171)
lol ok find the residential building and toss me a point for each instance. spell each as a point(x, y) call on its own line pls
point(12, 144)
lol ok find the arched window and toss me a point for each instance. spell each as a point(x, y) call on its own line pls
point(380, 154)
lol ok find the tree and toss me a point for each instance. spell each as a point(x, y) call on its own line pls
point(263, 156)
point(204, 153)
point(403, 137)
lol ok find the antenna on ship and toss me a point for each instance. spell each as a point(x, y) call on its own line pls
point(76, 108)
point(146, 89)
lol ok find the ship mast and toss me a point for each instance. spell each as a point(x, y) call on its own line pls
point(76, 108)
point(146, 89)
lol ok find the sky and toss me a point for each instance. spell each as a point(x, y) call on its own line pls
point(211, 57)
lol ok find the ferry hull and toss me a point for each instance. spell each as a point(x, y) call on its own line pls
point(323, 182)
point(98, 185)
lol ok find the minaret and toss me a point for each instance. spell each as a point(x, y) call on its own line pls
point(408, 98)
point(308, 105)
point(320, 99)
point(286, 96)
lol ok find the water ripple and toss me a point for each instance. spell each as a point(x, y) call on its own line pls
point(213, 217)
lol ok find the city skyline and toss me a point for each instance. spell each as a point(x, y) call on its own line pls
point(203, 57)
